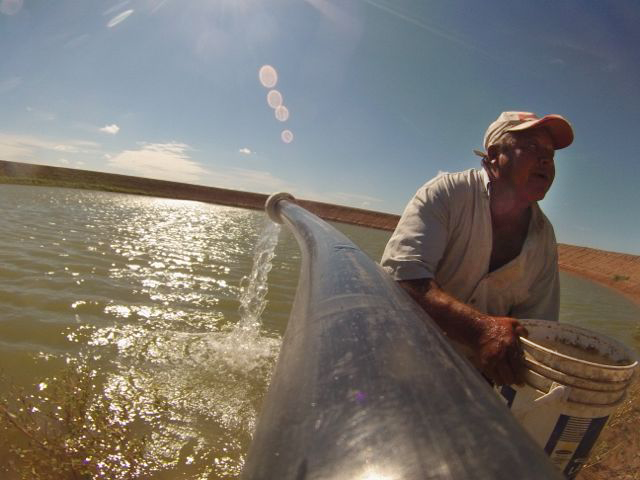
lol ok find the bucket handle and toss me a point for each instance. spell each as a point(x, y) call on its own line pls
point(557, 394)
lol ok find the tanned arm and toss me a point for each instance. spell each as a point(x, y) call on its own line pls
point(494, 340)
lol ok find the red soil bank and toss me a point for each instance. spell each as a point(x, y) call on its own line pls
point(620, 271)
point(24, 173)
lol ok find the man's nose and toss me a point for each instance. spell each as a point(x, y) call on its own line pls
point(545, 159)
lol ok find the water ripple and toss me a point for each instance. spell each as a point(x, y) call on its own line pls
point(146, 291)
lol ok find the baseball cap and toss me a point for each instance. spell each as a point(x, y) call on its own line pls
point(558, 127)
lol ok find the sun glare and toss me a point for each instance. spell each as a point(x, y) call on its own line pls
point(373, 475)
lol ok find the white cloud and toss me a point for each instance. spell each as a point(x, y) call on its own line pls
point(23, 147)
point(265, 182)
point(9, 84)
point(164, 161)
point(247, 180)
point(119, 18)
point(432, 28)
point(41, 114)
point(603, 55)
point(111, 129)
point(245, 151)
point(10, 150)
point(77, 41)
point(345, 198)
point(171, 161)
point(261, 181)
point(65, 148)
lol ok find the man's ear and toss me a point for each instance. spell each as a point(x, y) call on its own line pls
point(492, 154)
point(490, 162)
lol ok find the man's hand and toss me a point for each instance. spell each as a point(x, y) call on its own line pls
point(498, 352)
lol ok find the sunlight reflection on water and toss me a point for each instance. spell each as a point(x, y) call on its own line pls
point(146, 292)
point(209, 374)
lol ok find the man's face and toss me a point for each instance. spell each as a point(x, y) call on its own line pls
point(528, 166)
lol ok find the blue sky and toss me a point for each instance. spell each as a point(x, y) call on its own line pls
point(380, 95)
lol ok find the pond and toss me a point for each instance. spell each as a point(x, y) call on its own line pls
point(141, 318)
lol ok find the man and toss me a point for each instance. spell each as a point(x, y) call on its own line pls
point(475, 250)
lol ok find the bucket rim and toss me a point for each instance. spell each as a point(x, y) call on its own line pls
point(576, 394)
point(596, 406)
point(568, 357)
point(531, 361)
point(633, 357)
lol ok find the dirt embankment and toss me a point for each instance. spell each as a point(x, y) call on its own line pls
point(31, 174)
point(620, 271)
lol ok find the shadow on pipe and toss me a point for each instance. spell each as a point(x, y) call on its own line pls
point(368, 388)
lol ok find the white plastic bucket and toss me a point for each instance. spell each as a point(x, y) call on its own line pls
point(624, 361)
point(566, 402)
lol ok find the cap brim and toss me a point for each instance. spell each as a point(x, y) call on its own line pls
point(559, 129)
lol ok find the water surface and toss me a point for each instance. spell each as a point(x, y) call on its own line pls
point(154, 298)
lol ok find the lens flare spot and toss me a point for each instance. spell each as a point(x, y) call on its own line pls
point(119, 18)
point(287, 136)
point(274, 98)
point(282, 113)
point(268, 76)
point(10, 7)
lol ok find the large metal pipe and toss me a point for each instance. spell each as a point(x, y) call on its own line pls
point(368, 388)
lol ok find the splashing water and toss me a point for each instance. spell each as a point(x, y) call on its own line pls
point(214, 378)
point(254, 287)
point(243, 348)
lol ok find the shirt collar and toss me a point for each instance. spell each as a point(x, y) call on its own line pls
point(485, 180)
point(537, 220)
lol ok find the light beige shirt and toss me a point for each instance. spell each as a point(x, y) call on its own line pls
point(445, 233)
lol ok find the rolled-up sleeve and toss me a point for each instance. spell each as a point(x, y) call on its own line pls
point(419, 240)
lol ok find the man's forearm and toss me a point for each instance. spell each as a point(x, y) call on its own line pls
point(459, 321)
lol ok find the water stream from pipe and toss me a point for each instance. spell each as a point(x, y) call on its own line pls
point(254, 286)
